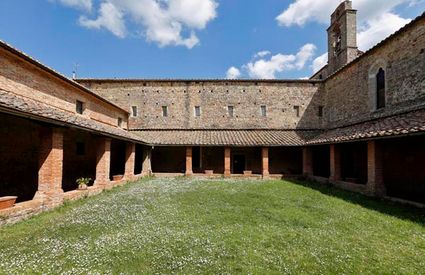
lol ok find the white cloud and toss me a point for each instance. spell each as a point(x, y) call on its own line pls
point(268, 68)
point(165, 22)
point(262, 54)
point(301, 12)
point(109, 18)
point(233, 73)
point(80, 4)
point(376, 19)
point(379, 28)
point(319, 62)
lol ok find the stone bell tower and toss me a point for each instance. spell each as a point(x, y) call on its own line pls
point(342, 37)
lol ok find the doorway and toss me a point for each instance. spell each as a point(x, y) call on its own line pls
point(238, 164)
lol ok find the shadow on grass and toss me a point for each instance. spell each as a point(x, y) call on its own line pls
point(398, 210)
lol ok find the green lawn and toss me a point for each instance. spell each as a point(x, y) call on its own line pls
point(221, 227)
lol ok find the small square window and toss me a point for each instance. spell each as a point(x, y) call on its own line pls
point(320, 112)
point(79, 107)
point(119, 122)
point(297, 110)
point(134, 111)
point(80, 149)
point(263, 110)
point(165, 111)
point(197, 111)
point(230, 111)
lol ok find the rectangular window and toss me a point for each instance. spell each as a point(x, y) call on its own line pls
point(134, 111)
point(164, 111)
point(320, 112)
point(79, 107)
point(80, 149)
point(297, 110)
point(230, 111)
point(197, 111)
point(119, 122)
point(263, 110)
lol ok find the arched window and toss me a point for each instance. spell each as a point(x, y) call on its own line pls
point(380, 89)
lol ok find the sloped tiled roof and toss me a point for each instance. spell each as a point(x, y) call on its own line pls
point(403, 124)
point(226, 137)
point(41, 111)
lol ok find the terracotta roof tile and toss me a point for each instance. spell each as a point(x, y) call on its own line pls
point(403, 124)
point(226, 137)
point(41, 110)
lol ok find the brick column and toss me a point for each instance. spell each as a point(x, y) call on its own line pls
point(146, 165)
point(130, 154)
point(103, 161)
point(375, 177)
point(50, 167)
point(265, 161)
point(335, 163)
point(307, 161)
point(227, 153)
point(189, 171)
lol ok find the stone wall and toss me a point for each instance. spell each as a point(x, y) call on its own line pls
point(22, 78)
point(214, 97)
point(350, 93)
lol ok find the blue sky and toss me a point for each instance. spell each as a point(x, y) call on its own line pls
point(189, 38)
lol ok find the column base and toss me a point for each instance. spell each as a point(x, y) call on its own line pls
point(50, 199)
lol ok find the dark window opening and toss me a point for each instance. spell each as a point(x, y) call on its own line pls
point(197, 111)
point(263, 110)
point(320, 76)
point(80, 148)
point(297, 110)
point(380, 89)
point(230, 110)
point(164, 111)
point(320, 113)
point(119, 122)
point(134, 111)
point(79, 107)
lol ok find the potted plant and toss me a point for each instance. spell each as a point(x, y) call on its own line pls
point(82, 183)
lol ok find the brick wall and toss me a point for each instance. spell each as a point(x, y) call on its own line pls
point(25, 79)
point(214, 97)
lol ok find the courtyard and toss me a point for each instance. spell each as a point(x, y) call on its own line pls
point(225, 226)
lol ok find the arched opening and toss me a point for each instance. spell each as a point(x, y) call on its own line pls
point(380, 89)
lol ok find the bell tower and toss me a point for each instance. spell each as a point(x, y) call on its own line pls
point(342, 37)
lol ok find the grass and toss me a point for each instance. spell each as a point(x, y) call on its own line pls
point(183, 226)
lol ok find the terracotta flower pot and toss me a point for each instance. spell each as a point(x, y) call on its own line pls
point(6, 202)
point(117, 177)
point(82, 187)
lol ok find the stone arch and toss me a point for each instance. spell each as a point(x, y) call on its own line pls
point(372, 85)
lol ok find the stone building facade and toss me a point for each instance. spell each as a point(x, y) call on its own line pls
point(358, 123)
